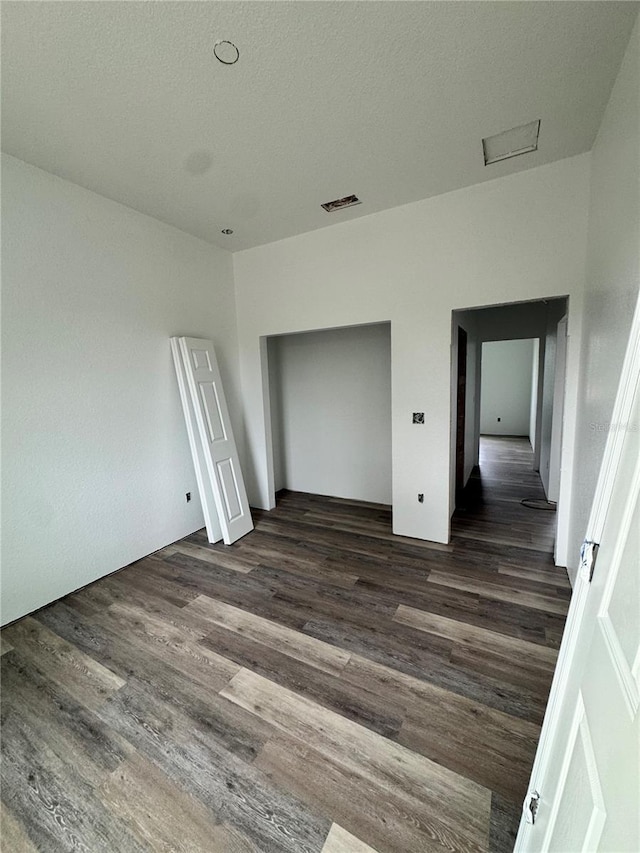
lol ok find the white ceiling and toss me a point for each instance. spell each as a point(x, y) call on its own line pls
point(388, 100)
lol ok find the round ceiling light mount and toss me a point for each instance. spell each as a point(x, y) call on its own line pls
point(227, 231)
point(226, 52)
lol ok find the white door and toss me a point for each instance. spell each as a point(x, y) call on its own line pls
point(584, 787)
point(216, 436)
point(205, 489)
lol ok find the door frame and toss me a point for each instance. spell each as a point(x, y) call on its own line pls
point(538, 412)
point(537, 328)
point(557, 410)
point(601, 500)
point(461, 410)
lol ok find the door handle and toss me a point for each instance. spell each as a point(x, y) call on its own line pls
point(530, 806)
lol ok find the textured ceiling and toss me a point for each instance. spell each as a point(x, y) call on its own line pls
point(388, 100)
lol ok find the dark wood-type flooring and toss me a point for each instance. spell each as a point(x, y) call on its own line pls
point(318, 686)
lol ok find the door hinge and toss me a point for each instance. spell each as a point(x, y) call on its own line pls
point(588, 556)
point(530, 807)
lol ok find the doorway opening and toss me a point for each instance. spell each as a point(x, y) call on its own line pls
point(508, 383)
point(330, 412)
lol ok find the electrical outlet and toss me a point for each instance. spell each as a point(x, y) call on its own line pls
point(420, 498)
point(499, 419)
point(188, 496)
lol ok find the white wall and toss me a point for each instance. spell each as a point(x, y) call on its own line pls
point(331, 412)
point(548, 447)
point(95, 455)
point(613, 272)
point(277, 433)
point(546, 418)
point(557, 417)
point(506, 387)
point(413, 265)
point(533, 403)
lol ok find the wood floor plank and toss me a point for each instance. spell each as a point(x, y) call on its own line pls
point(491, 614)
point(239, 590)
point(461, 805)
point(479, 638)
point(508, 617)
point(522, 674)
point(12, 834)
point(341, 841)
point(352, 604)
point(56, 719)
point(84, 678)
point(367, 529)
point(136, 587)
point(356, 543)
point(538, 601)
point(441, 725)
point(540, 545)
point(487, 572)
point(162, 817)
point(433, 664)
point(91, 599)
point(404, 576)
point(174, 643)
point(145, 577)
point(296, 558)
point(553, 576)
point(380, 698)
point(331, 691)
point(199, 761)
point(242, 733)
point(321, 655)
point(54, 803)
point(235, 560)
point(379, 815)
point(505, 820)
point(5, 645)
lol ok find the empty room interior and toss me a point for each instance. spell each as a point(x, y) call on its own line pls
point(320, 426)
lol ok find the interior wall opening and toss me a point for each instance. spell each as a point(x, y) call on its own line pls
point(330, 412)
point(508, 380)
point(506, 398)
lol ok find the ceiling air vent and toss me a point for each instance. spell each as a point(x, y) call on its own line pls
point(511, 143)
point(339, 203)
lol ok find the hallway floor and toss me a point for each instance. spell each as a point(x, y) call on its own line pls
point(321, 685)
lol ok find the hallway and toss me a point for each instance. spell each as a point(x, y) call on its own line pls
point(321, 681)
point(493, 511)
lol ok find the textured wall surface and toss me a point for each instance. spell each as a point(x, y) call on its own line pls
point(506, 387)
point(95, 455)
point(613, 276)
point(334, 412)
point(413, 265)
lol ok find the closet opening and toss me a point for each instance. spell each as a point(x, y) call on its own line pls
point(329, 394)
